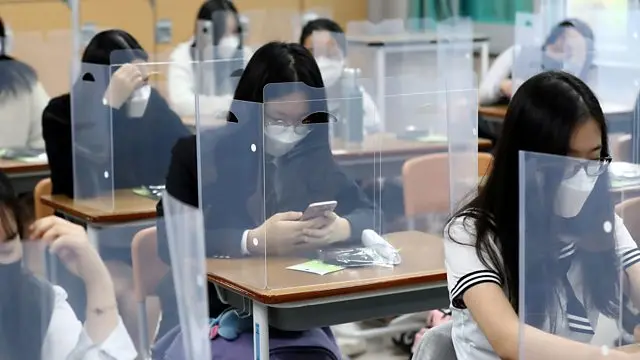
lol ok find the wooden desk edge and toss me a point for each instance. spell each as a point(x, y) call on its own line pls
point(277, 296)
point(101, 218)
point(20, 168)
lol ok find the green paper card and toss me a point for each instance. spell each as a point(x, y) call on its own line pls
point(316, 267)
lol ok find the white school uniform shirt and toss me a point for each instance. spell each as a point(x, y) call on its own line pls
point(465, 270)
point(182, 85)
point(21, 118)
point(489, 91)
point(66, 337)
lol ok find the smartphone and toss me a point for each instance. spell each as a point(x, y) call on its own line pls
point(318, 209)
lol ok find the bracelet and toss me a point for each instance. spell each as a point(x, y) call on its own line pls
point(102, 310)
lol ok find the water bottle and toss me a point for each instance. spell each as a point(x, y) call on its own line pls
point(352, 108)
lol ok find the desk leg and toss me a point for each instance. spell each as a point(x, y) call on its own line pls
point(260, 332)
point(484, 60)
point(381, 67)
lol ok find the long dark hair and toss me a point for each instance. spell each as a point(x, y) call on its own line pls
point(16, 77)
point(26, 302)
point(541, 118)
point(324, 24)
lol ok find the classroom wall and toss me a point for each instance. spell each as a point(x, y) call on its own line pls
point(43, 38)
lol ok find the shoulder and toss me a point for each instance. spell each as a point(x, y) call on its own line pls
point(461, 230)
point(181, 53)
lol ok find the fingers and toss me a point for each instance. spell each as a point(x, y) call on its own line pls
point(42, 226)
point(320, 222)
point(288, 216)
point(317, 235)
point(52, 227)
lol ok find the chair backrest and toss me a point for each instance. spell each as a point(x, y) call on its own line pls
point(629, 211)
point(42, 188)
point(148, 269)
point(436, 344)
point(426, 182)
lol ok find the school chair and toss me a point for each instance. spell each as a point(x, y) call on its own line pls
point(426, 184)
point(148, 270)
point(620, 145)
point(42, 188)
point(629, 211)
point(436, 344)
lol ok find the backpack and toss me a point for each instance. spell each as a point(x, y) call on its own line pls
point(232, 339)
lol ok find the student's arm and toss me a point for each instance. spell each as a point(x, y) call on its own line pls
point(629, 254)
point(182, 85)
point(479, 289)
point(489, 91)
point(39, 100)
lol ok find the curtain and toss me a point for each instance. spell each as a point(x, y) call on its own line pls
point(489, 11)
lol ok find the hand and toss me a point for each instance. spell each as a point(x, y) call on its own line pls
point(506, 88)
point(280, 234)
point(327, 230)
point(124, 81)
point(71, 244)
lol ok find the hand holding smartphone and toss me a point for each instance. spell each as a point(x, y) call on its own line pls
point(318, 209)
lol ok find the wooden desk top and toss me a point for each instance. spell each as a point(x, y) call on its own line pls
point(16, 167)
point(422, 263)
point(630, 349)
point(403, 38)
point(389, 145)
point(495, 112)
point(125, 206)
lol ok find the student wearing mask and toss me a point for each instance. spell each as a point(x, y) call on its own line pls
point(326, 41)
point(551, 113)
point(226, 51)
point(22, 99)
point(37, 321)
point(136, 136)
point(570, 36)
point(297, 157)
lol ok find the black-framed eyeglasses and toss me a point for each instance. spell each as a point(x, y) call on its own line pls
point(592, 168)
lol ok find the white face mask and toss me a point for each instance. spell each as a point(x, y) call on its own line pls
point(281, 139)
point(228, 46)
point(137, 103)
point(573, 193)
point(330, 69)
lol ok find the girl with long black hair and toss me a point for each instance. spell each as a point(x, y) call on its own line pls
point(552, 113)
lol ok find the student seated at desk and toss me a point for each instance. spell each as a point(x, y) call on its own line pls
point(298, 170)
point(141, 142)
point(551, 113)
point(496, 87)
point(22, 99)
point(326, 41)
point(36, 319)
point(227, 45)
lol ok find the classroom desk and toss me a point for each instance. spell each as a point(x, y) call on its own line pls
point(383, 155)
point(293, 300)
point(418, 41)
point(630, 349)
point(24, 175)
point(124, 208)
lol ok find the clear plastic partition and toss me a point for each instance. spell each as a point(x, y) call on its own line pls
point(232, 193)
point(61, 298)
point(186, 238)
point(561, 50)
point(576, 257)
point(455, 53)
point(92, 141)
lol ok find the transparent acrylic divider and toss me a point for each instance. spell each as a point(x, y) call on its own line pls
point(529, 39)
point(418, 129)
point(185, 233)
point(466, 170)
point(575, 253)
point(49, 318)
point(231, 193)
point(455, 53)
point(92, 144)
